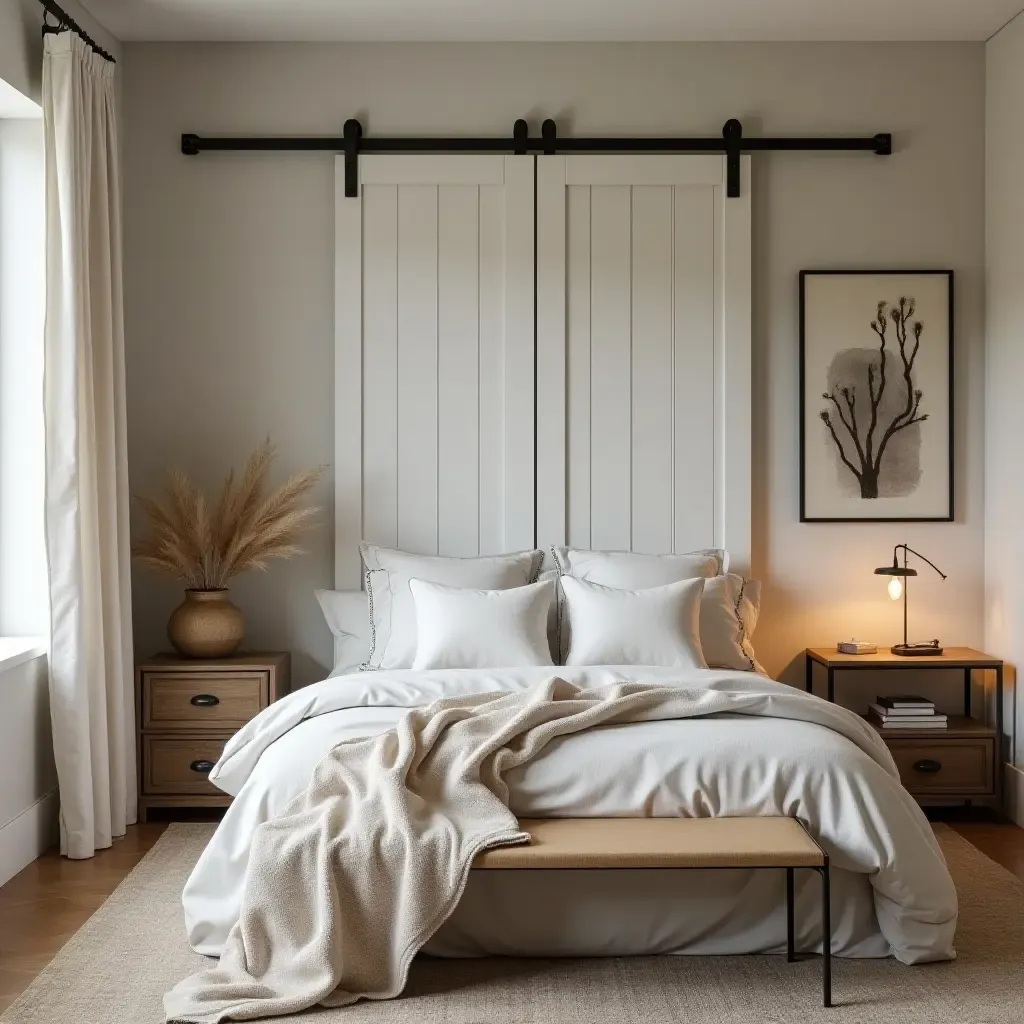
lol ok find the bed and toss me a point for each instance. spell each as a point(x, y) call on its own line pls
point(561, 354)
point(892, 894)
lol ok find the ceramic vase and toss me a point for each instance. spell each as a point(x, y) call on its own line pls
point(206, 625)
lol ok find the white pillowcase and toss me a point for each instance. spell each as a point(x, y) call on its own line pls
point(631, 571)
point(728, 614)
point(392, 611)
point(729, 607)
point(655, 626)
point(345, 612)
point(459, 628)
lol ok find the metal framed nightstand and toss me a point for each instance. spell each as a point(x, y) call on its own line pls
point(960, 762)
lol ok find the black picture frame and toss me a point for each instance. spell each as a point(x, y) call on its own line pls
point(947, 515)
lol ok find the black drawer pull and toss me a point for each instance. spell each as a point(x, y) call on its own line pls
point(204, 700)
point(928, 765)
point(202, 766)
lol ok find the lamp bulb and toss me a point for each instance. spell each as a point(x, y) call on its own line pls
point(895, 588)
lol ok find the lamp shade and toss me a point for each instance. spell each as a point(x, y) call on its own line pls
point(895, 570)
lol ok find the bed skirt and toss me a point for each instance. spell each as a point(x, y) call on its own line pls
point(630, 913)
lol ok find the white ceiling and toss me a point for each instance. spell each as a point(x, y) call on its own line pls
point(562, 20)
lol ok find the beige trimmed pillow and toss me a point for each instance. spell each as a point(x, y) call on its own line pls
point(553, 613)
point(391, 606)
point(629, 570)
point(729, 608)
point(345, 612)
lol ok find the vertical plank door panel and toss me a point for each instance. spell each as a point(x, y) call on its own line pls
point(491, 470)
point(434, 356)
point(733, 341)
point(348, 383)
point(458, 429)
point(579, 408)
point(519, 422)
point(652, 369)
point(417, 368)
point(610, 366)
point(694, 384)
point(380, 364)
point(656, 322)
point(551, 352)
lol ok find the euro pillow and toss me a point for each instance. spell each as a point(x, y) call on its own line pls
point(554, 644)
point(653, 626)
point(345, 612)
point(629, 570)
point(729, 607)
point(462, 628)
point(728, 614)
point(391, 607)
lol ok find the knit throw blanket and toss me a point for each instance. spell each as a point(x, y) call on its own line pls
point(345, 887)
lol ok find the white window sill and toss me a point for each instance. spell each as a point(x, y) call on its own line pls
point(16, 650)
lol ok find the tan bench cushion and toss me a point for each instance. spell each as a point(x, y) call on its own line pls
point(658, 843)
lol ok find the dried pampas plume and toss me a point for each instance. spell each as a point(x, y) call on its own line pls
point(205, 544)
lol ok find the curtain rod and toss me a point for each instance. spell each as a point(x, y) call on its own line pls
point(66, 23)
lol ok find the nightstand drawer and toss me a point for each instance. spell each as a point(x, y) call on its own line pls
point(219, 700)
point(180, 766)
point(946, 767)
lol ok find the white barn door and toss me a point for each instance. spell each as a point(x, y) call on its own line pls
point(643, 354)
point(434, 357)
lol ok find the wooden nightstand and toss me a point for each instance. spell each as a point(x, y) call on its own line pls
point(186, 710)
point(960, 762)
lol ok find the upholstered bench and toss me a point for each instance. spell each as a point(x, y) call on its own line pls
point(776, 843)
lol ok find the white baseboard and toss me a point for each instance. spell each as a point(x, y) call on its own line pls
point(28, 835)
point(1013, 794)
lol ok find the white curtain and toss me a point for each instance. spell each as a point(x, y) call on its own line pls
point(87, 539)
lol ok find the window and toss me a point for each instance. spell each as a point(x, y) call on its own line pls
point(24, 604)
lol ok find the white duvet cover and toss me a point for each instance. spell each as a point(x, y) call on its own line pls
point(891, 894)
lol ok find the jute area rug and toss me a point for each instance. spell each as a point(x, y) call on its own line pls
point(116, 968)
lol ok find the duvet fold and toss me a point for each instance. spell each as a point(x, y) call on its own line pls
point(347, 885)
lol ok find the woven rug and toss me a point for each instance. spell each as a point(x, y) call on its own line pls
point(116, 968)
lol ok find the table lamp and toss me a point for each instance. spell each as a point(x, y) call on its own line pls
point(898, 586)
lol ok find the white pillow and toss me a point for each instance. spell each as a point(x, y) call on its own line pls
point(459, 628)
point(628, 570)
point(728, 614)
point(728, 610)
point(656, 626)
point(392, 611)
point(345, 612)
point(554, 641)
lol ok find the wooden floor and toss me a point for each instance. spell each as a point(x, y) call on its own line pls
point(44, 905)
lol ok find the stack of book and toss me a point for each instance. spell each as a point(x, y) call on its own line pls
point(906, 712)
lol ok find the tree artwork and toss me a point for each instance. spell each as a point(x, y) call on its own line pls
point(862, 423)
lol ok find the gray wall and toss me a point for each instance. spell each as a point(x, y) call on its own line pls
point(21, 51)
point(21, 47)
point(229, 272)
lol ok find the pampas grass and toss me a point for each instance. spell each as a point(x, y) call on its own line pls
point(204, 544)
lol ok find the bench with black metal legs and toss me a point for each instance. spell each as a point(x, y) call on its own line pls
point(762, 843)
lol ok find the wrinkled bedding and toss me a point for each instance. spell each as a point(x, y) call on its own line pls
point(892, 893)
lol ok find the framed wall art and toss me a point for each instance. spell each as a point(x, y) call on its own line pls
point(876, 396)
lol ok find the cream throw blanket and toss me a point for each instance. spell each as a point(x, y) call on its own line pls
point(348, 885)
